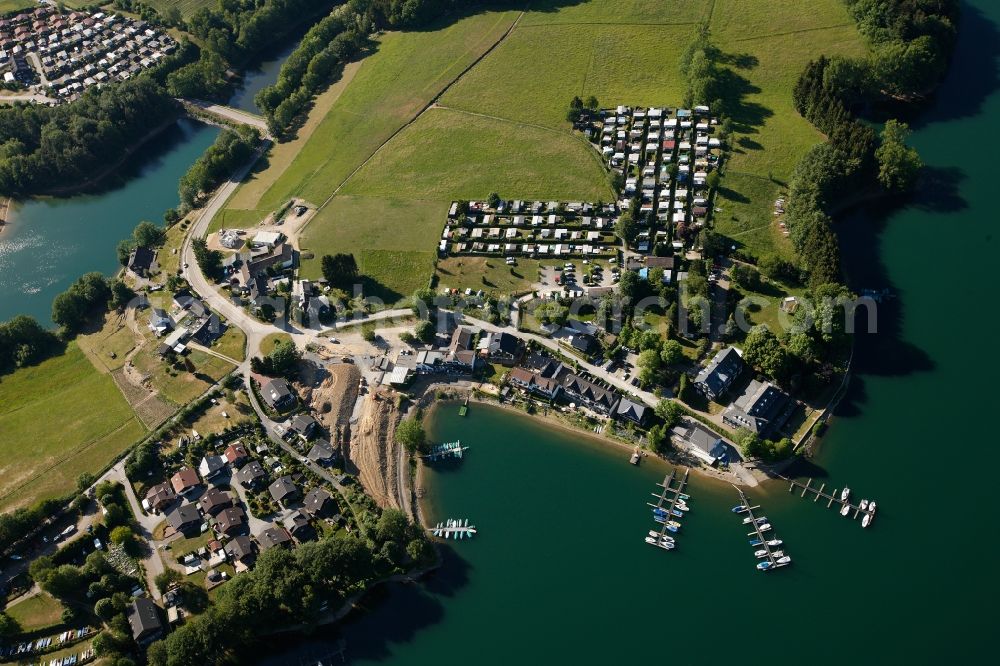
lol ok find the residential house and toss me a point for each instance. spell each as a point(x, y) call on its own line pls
point(185, 481)
point(283, 490)
point(302, 425)
point(590, 395)
point(236, 454)
point(298, 525)
point(231, 521)
point(636, 412)
point(701, 441)
point(277, 394)
point(160, 322)
point(584, 343)
point(502, 348)
point(211, 466)
point(318, 502)
point(544, 387)
point(720, 373)
point(761, 409)
point(462, 339)
point(252, 475)
point(274, 536)
point(214, 501)
point(207, 329)
point(144, 619)
point(241, 550)
point(141, 262)
point(160, 496)
point(184, 517)
point(321, 453)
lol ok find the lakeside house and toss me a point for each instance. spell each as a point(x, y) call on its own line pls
point(535, 384)
point(701, 441)
point(588, 394)
point(141, 262)
point(502, 348)
point(636, 412)
point(716, 378)
point(762, 408)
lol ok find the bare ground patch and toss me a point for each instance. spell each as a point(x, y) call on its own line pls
point(373, 448)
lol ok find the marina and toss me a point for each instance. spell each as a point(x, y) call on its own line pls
point(671, 503)
point(445, 451)
point(454, 529)
point(765, 546)
point(865, 508)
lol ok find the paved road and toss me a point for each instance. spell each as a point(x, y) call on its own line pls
point(151, 563)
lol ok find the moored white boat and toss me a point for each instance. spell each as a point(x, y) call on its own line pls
point(866, 520)
point(765, 527)
point(739, 508)
point(871, 507)
point(784, 560)
point(863, 505)
point(764, 566)
point(846, 509)
point(775, 542)
point(760, 553)
point(844, 494)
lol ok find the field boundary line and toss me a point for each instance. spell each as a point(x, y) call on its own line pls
point(422, 111)
point(625, 24)
point(792, 32)
point(72, 454)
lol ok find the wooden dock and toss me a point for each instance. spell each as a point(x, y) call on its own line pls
point(453, 529)
point(818, 493)
point(759, 535)
point(668, 499)
point(446, 450)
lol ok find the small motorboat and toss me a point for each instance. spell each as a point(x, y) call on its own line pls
point(784, 560)
point(671, 528)
point(756, 542)
point(775, 542)
point(866, 520)
point(674, 524)
point(660, 519)
point(863, 505)
point(659, 512)
point(682, 506)
point(748, 520)
point(651, 541)
point(760, 553)
point(871, 507)
point(765, 527)
point(666, 539)
point(846, 509)
point(740, 508)
point(778, 554)
point(682, 496)
point(676, 513)
point(654, 534)
point(844, 494)
point(764, 566)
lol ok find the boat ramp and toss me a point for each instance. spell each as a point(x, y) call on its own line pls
point(768, 547)
point(865, 508)
point(446, 451)
point(454, 529)
point(671, 504)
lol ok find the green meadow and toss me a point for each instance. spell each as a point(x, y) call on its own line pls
point(59, 419)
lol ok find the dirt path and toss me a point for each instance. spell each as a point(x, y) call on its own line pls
point(374, 450)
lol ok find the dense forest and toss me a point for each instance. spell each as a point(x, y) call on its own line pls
point(47, 148)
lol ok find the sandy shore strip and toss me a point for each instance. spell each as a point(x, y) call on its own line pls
point(4, 212)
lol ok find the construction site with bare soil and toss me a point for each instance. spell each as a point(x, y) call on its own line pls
point(373, 448)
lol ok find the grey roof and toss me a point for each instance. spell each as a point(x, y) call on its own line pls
point(141, 259)
point(720, 373)
point(273, 536)
point(701, 438)
point(317, 501)
point(578, 386)
point(633, 411)
point(231, 518)
point(282, 488)
point(302, 423)
point(240, 548)
point(320, 452)
point(275, 392)
point(183, 516)
point(214, 500)
point(144, 618)
point(758, 409)
point(251, 472)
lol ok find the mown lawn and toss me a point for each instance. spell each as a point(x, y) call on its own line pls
point(489, 274)
point(181, 386)
point(447, 155)
point(52, 431)
point(10, 6)
point(35, 613)
point(268, 344)
point(535, 73)
point(629, 12)
point(232, 344)
point(393, 241)
point(392, 85)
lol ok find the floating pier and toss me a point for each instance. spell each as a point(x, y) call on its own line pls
point(446, 450)
point(844, 507)
point(671, 504)
point(464, 409)
point(454, 529)
point(773, 556)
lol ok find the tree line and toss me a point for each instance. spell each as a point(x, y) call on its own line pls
point(231, 149)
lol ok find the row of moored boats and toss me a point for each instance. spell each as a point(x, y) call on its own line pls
point(769, 559)
point(666, 517)
point(866, 507)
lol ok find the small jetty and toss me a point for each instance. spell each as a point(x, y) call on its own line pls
point(842, 500)
point(636, 457)
point(769, 548)
point(464, 409)
point(446, 450)
point(671, 504)
point(454, 529)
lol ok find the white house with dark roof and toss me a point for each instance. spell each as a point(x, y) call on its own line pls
point(716, 378)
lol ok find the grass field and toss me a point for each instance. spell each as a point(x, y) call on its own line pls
point(233, 344)
point(10, 6)
point(187, 7)
point(487, 274)
point(52, 431)
point(38, 612)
